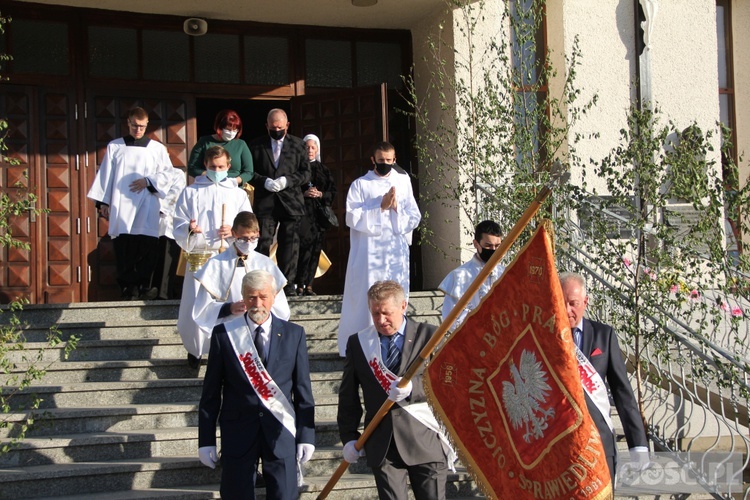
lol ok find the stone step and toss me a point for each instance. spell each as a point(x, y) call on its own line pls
point(99, 477)
point(120, 313)
point(122, 392)
point(111, 418)
point(67, 372)
point(186, 474)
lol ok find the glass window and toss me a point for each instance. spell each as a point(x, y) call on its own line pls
point(217, 58)
point(721, 38)
point(328, 63)
point(113, 52)
point(266, 60)
point(377, 63)
point(39, 47)
point(166, 56)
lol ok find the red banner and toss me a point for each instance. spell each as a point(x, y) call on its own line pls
point(506, 386)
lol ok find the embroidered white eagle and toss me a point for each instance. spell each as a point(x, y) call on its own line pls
point(523, 401)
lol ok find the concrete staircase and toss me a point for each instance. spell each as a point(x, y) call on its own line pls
point(119, 417)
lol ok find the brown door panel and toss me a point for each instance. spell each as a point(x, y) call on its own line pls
point(348, 123)
point(170, 119)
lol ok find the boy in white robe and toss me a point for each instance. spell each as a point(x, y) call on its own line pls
point(202, 214)
point(382, 213)
point(134, 174)
point(487, 238)
point(219, 297)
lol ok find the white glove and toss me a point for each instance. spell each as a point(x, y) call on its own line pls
point(351, 454)
point(395, 394)
point(639, 458)
point(281, 183)
point(271, 185)
point(207, 456)
point(304, 452)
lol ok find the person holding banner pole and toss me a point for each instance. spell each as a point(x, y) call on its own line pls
point(408, 442)
point(598, 348)
point(257, 387)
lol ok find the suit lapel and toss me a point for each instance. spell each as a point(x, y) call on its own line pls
point(588, 338)
point(274, 340)
point(410, 333)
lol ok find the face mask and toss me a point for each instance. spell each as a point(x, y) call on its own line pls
point(383, 168)
point(228, 135)
point(245, 247)
point(277, 135)
point(485, 254)
point(216, 176)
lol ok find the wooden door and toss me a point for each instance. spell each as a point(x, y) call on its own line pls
point(349, 123)
point(169, 124)
point(42, 139)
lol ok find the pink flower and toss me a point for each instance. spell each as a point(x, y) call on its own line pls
point(627, 262)
point(651, 274)
point(674, 288)
point(737, 312)
point(694, 295)
point(724, 306)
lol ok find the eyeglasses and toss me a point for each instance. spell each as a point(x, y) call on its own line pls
point(248, 239)
point(137, 127)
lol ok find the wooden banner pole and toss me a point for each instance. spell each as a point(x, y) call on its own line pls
point(557, 178)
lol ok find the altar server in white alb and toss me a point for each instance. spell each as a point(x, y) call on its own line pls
point(133, 176)
point(382, 213)
point(202, 220)
point(487, 239)
point(219, 297)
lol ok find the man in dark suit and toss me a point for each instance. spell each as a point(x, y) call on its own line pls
point(257, 386)
point(281, 169)
point(598, 342)
point(404, 443)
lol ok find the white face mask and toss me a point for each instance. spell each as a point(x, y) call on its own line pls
point(228, 135)
point(245, 247)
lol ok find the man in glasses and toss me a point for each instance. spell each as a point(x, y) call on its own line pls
point(134, 175)
point(219, 297)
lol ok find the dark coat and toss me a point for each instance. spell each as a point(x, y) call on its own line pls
point(416, 443)
point(293, 164)
point(599, 344)
point(229, 398)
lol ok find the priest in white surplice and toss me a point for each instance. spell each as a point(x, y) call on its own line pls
point(219, 296)
point(381, 213)
point(134, 174)
point(204, 212)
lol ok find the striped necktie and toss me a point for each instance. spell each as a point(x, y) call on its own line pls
point(393, 356)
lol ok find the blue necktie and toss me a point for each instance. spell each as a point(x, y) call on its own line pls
point(393, 356)
point(577, 336)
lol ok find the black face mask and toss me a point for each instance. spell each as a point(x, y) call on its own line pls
point(486, 253)
point(277, 135)
point(383, 168)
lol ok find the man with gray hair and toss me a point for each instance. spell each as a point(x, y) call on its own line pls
point(597, 347)
point(408, 441)
point(257, 386)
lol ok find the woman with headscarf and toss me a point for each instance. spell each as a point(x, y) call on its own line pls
point(320, 189)
point(228, 128)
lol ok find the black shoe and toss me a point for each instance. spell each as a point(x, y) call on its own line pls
point(300, 291)
point(194, 362)
point(309, 291)
point(148, 293)
point(130, 293)
point(290, 291)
